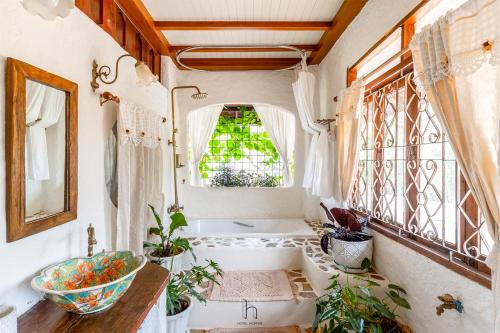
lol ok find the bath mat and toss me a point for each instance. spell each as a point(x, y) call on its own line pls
point(284, 329)
point(256, 286)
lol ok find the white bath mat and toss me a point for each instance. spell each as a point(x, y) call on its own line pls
point(285, 329)
point(256, 286)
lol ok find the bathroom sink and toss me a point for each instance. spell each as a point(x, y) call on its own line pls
point(88, 285)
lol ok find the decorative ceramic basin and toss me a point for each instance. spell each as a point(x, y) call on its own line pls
point(87, 285)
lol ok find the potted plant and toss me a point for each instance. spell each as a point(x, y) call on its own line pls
point(356, 308)
point(350, 243)
point(169, 251)
point(181, 288)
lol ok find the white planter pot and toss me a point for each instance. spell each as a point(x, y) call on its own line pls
point(173, 264)
point(8, 319)
point(351, 254)
point(179, 322)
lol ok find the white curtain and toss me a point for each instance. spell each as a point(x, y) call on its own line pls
point(456, 62)
point(44, 106)
point(141, 138)
point(280, 125)
point(349, 110)
point(317, 174)
point(201, 126)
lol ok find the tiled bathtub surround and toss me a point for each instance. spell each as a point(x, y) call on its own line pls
point(309, 245)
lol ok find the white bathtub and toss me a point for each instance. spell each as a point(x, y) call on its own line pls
point(247, 228)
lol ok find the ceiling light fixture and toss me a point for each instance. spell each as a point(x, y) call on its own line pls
point(49, 9)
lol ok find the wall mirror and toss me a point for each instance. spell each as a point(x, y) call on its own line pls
point(41, 150)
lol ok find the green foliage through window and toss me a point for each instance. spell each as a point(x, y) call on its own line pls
point(240, 152)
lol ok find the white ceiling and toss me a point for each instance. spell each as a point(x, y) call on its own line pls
point(242, 10)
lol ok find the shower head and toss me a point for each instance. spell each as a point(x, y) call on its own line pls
point(199, 95)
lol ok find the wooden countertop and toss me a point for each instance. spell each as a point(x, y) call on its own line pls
point(126, 315)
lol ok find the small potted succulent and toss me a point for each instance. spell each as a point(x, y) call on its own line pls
point(169, 251)
point(182, 289)
point(349, 242)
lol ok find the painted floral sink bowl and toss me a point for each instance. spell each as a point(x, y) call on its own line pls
point(88, 285)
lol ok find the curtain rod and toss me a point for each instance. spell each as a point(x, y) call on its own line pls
point(379, 67)
point(107, 96)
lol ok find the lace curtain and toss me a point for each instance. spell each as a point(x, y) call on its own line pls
point(141, 138)
point(456, 61)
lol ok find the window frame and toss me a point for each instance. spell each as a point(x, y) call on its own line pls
point(461, 264)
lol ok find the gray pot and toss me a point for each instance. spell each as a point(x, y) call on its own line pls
point(348, 256)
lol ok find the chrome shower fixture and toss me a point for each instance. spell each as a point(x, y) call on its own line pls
point(199, 95)
point(176, 207)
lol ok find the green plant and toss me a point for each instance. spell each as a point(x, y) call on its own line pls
point(227, 177)
point(168, 245)
point(184, 284)
point(234, 140)
point(356, 308)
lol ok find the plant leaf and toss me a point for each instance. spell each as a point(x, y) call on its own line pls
point(366, 264)
point(178, 221)
point(384, 311)
point(154, 231)
point(398, 300)
point(396, 287)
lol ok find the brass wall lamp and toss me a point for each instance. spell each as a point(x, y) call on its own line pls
point(144, 74)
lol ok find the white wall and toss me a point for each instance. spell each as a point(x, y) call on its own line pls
point(240, 87)
point(66, 48)
point(423, 278)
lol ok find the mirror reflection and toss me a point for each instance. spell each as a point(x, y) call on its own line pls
point(45, 151)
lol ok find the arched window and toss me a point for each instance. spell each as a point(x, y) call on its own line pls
point(250, 146)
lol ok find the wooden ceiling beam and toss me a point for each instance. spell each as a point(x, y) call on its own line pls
point(345, 15)
point(243, 25)
point(142, 19)
point(239, 64)
point(309, 47)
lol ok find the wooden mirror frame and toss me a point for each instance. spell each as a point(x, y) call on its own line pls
point(17, 73)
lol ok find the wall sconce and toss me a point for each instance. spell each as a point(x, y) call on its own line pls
point(144, 74)
point(49, 9)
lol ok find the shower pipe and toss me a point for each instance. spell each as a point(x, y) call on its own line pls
point(302, 53)
point(175, 207)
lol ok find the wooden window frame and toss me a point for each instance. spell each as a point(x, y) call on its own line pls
point(461, 264)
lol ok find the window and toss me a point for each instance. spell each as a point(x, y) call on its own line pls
point(408, 179)
point(240, 152)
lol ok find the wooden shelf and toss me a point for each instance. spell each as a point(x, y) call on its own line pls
point(126, 315)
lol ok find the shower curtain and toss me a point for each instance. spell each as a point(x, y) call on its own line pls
point(457, 65)
point(201, 126)
point(280, 125)
point(141, 137)
point(317, 174)
point(44, 106)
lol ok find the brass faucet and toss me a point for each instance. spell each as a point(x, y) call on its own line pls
point(91, 240)
point(449, 302)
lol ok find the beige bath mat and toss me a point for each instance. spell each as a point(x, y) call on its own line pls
point(256, 286)
point(284, 329)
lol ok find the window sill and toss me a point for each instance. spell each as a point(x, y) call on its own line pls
point(442, 257)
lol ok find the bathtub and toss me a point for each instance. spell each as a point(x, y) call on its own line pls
point(261, 228)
